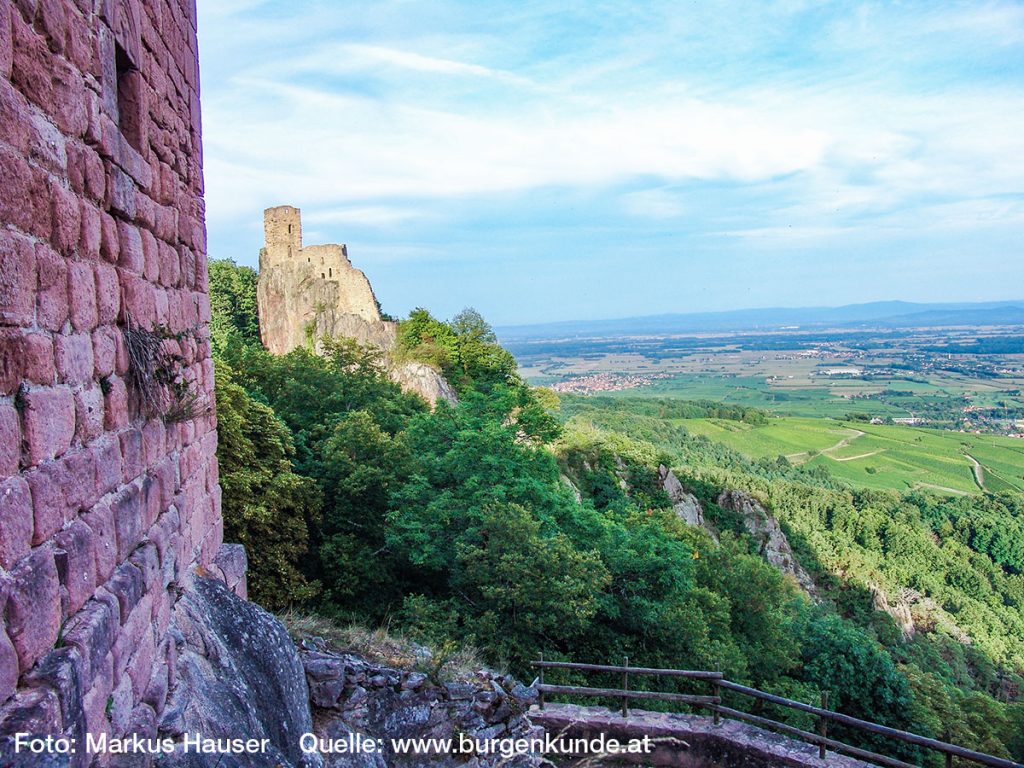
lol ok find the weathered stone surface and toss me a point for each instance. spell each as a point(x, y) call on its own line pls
point(237, 673)
point(313, 289)
point(16, 521)
point(424, 381)
point(772, 542)
point(685, 504)
point(354, 695)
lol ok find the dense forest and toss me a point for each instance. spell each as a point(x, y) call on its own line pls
point(521, 524)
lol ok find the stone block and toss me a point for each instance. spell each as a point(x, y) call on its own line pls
point(139, 302)
point(147, 559)
point(66, 226)
point(153, 442)
point(108, 294)
point(84, 309)
point(107, 454)
point(78, 481)
point(131, 255)
point(89, 414)
point(32, 711)
point(12, 360)
point(48, 422)
point(104, 350)
point(6, 46)
point(49, 507)
point(110, 243)
point(60, 671)
point(131, 454)
point(33, 606)
point(100, 520)
point(121, 703)
point(75, 558)
point(115, 405)
point(17, 278)
point(17, 181)
point(150, 256)
point(129, 522)
point(38, 359)
point(10, 440)
point(126, 584)
point(8, 667)
point(73, 357)
point(91, 237)
point(16, 521)
point(52, 296)
point(92, 631)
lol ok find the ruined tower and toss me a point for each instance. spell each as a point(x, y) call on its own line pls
point(306, 292)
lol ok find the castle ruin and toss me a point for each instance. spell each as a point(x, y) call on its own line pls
point(307, 292)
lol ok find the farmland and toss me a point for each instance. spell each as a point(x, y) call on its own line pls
point(879, 455)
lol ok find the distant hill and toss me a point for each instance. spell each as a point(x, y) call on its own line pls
point(891, 314)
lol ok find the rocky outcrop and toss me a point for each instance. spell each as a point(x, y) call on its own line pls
point(772, 542)
point(422, 380)
point(685, 504)
point(352, 695)
point(238, 675)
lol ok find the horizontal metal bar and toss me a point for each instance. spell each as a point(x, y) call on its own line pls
point(618, 693)
point(631, 670)
point(814, 738)
point(881, 730)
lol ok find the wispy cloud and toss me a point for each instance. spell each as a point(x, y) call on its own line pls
point(731, 123)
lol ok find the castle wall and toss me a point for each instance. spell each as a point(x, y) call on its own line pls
point(103, 511)
point(312, 289)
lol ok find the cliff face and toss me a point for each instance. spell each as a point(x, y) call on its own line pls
point(307, 292)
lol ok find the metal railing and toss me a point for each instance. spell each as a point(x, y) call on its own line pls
point(713, 702)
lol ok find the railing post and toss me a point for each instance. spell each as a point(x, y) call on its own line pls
point(823, 725)
point(625, 685)
point(716, 691)
point(540, 699)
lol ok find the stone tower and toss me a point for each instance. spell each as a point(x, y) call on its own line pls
point(306, 292)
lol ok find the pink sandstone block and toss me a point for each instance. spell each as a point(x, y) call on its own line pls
point(91, 236)
point(128, 521)
point(10, 440)
point(127, 586)
point(120, 188)
point(12, 360)
point(131, 255)
point(115, 404)
point(92, 631)
point(153, 442)
point(52, 297)
point(140, 663)
point(49, 506)
point(107, 454)
point(6, 47)
point(146, 558)
point(151, 495)
point(121, 703)
point(94, 705)
point(48, 422)
point(139, 301)
point(150, 256)
point(89, 413)
point(17, 181)
point(47, 147)
point(104, 351)
point(131, 454)
point(52, 21)
point(95, 176)
point(67, 223)
point(75, 558)
point(110, 243)
point(100, 520)
point(17, 279)
point(16, 521)
point(79, 481)
point(39, 363)
point(8, 667)
point(73, 356)
point(82, 293)
point(33, 711)
point(33, 607)
point(108, 294)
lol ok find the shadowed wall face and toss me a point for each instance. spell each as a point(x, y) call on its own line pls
point(105, 504)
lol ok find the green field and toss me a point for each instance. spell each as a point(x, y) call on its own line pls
point(879, 456)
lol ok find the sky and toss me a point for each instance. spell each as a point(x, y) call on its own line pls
point(547, 160)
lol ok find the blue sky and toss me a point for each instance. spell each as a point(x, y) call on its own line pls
point(547, 160)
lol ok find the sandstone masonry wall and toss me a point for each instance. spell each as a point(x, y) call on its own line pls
point(103, 512)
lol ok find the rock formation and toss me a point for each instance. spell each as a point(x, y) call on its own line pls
point(772, 542)
point(685, 504)
point(352, 695)
point(308, 292)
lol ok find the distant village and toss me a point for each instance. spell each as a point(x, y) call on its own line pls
point(607, 382)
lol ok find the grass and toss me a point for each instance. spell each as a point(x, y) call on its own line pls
point(878, 456)
point(444, 663)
